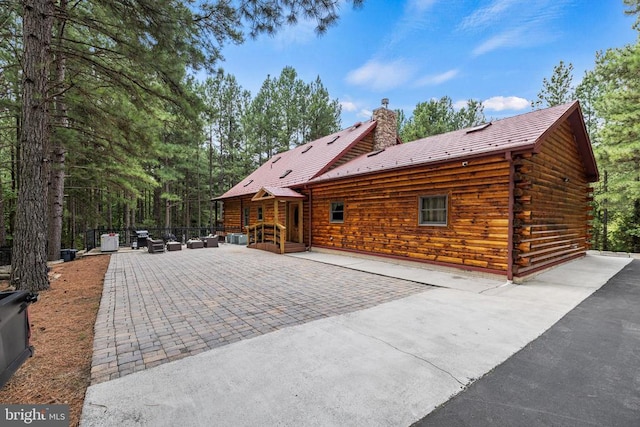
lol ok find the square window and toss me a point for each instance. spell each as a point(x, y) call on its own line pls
point(337, 212)
point(433, 210)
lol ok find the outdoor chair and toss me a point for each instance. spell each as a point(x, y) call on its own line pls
point(155, 246)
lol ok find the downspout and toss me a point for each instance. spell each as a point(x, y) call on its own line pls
point(512, 184)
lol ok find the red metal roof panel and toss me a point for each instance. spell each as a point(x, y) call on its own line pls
point(510, 134)
point(304, 162)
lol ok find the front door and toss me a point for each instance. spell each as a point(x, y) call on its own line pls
point(294, 222)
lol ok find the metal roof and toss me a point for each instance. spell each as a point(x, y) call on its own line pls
point(278, 192)
point(519, 133)
point(299, 165)
point(308, 163)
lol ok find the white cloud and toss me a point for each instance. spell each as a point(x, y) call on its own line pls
point(348, 106)
point(364, 114)
point(500, 103)
point(419, 6)
point(509, 23)
point(486, 16)
point(437, 79)
point(381, 75)
point(509, 38)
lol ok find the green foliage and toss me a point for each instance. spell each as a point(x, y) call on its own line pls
point(143, 143)
point(558, 90)
point(618, 137)
point(267, 16)
point(587, 92)
point(439, 116)
point(287, 112)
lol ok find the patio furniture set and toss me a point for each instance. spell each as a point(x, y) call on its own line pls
point(158, 245)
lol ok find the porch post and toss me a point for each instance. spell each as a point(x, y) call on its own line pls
point(300, 217)
point(275, 221)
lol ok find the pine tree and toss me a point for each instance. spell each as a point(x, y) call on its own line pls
point(438, 116)
point(618, 141)
point(29, 266)
point(558, 90)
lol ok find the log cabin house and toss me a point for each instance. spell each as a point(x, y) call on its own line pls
point(509, 197)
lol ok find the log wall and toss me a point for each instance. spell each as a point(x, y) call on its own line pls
point(552, 204)
point(382, 214)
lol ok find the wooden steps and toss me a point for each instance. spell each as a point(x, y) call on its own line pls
point(289, 247)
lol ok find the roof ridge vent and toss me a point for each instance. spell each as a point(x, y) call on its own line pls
point(479, 127)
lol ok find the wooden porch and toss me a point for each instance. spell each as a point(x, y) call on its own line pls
point(279, 229)
point(271, 237)
point(289, 247)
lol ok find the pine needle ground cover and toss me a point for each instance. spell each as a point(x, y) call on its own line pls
point(62, 323)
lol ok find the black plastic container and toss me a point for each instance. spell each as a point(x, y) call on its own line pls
point(15, 332)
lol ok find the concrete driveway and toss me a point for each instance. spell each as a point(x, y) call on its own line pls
point(345, 347)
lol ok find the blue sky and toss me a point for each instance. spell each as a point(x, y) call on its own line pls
point(496, 51)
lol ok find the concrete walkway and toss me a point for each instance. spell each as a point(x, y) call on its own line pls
point(386, 362)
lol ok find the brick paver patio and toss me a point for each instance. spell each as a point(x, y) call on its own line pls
point(157, 308)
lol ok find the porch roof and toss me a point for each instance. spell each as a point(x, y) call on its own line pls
point(276, 193)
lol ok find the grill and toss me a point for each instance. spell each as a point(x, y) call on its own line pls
point(141, 239)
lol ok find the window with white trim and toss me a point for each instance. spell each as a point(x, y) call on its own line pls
point(337, 212)
point(433, 210)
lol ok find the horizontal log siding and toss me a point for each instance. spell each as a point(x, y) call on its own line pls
point(232, 215)
point(382, 214)
point(551, 214)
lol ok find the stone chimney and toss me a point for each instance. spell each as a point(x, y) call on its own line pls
point(386, 127)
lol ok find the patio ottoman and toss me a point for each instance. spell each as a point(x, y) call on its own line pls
point(210, 241)
point(195, 244)
point(174, 246)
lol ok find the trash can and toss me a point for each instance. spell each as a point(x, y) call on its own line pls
point(68, 254)
point(14, 332)
point(141, 237)
point(109, 242)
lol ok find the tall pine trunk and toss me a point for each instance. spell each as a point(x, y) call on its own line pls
point(29, 263)
point(57, 154)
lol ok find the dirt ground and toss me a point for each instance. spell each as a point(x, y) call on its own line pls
point(62, 324)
